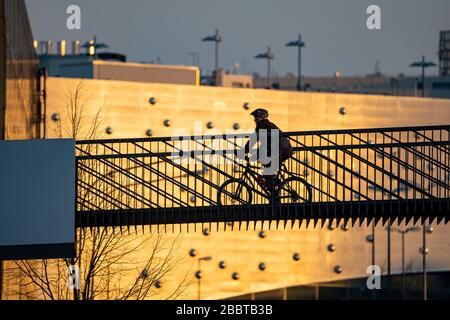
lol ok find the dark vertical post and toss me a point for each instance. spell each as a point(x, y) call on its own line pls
point(403, 264)
point(268, 56)
point(268, 69)
point(423, 64)
point(299, 80)
point(423, 76)
point(217, 56)
point(373, 254)
point(389, 255)
point(195, 58)
point(389, 247)
point(216, 38)
point(424, 263)
point(373, 243)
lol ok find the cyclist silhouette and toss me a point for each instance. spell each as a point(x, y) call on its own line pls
point(276, 153)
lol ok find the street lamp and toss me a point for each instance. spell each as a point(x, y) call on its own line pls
point(425, 230)
point(195, 58)
point(372, 239)
point(268, 56)
point(92, 46)
point(300, 44)
point(337, 75)
point(403, 232)
point(216, 38)
point(422, 64)
point(198, 274)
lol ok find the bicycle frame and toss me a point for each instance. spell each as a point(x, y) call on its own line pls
point(250, 177)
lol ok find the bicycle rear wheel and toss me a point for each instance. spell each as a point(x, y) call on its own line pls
point(295, 190)
point(234, 192)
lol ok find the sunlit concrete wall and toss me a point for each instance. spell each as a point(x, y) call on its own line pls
point(128, 113)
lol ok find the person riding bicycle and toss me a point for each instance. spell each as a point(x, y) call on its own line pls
point(276, 153)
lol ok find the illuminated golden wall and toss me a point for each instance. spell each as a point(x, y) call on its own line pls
point(128, 113)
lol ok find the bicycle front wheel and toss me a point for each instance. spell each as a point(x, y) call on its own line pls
point(295, 190)
point(234, 192)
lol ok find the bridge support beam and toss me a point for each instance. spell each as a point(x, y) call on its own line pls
point(362, 211)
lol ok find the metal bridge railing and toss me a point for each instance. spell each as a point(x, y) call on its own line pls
point(339, 174)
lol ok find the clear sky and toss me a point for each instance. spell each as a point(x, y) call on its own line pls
point(335, 31)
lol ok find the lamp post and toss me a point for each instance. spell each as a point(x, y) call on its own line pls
point(373, 243)
point(422, 64)
point(198, 274)
point(389, 255)
point(337, 75)
point(403, 232)
point(216, 38)
point(92, 46)
point(299, 44)
point(373, 253)
point(195, 58)
point(268, 56)
point(424, 263)
point(425, 230)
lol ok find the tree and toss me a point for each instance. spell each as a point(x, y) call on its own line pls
point(108, 260)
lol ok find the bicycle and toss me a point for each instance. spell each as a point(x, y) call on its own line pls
point(290, 188)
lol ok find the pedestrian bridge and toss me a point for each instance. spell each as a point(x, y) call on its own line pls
point(341, 176)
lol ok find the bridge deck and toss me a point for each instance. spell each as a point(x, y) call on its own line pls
point(436, 210)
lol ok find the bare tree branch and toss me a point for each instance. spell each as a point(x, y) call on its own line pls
point(107, 260)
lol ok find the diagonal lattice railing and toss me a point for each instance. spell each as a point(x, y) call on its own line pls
point(349, 175)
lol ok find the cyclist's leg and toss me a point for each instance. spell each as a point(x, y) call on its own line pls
point(283, 168)
point(271, 175)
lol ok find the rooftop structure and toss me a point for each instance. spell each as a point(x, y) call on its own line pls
point(400, 85)
point(109, 65)
point(444, 53)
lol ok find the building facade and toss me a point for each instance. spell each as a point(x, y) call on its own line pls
point(129, 112)
point(108, 66)
point(435, 86)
